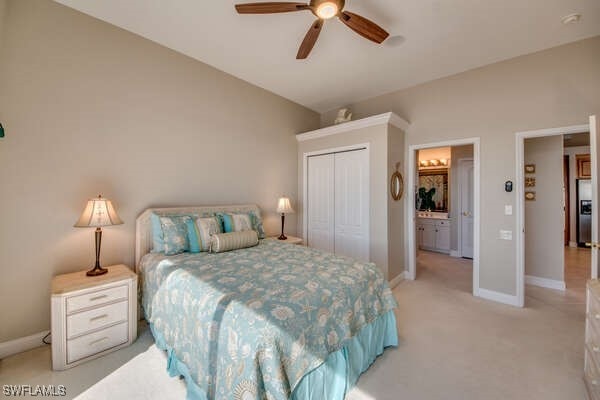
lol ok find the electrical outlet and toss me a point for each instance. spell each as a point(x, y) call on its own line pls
point(506, 235)
point(508, 210)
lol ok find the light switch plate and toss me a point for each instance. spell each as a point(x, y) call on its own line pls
point(506, 235)
point(508, 210)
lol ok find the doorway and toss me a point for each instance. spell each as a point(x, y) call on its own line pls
point(528, 190)
point(443, 225)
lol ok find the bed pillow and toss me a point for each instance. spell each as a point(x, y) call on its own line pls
point(175, 234)
point(238, 222)
point(193, 235)
point(205, 228)
point(233, 240)
point(257, 225)
point(158, 241)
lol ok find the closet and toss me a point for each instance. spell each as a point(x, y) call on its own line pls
point(338, 203)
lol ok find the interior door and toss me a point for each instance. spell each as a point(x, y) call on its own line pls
point(466, 207)
point(352, 204)
point(594, 153)
point(320, 188)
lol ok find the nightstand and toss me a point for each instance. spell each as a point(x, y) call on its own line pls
point(92, 315)
point(290, 240)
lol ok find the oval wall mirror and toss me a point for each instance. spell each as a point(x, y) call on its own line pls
point(397, 186)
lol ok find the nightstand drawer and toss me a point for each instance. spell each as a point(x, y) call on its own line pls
point(76, 303)
point(96, 342)
point(80, 323)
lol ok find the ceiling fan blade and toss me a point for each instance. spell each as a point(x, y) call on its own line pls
point(364, 27)
point(270, 7)
point(310, 39)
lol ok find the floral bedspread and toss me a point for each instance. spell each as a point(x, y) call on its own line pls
point(250, 323)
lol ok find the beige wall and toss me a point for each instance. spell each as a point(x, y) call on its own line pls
point(380, 167)
point(89, 108)
point(544, 217)
point(457, 152)
point(2, 17)
point(396, 231)
point(557, 87)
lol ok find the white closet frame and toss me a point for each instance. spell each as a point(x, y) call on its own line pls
point(305, 156)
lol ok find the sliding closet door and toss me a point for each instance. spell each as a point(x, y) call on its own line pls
point(352, 204)
point(320, 215)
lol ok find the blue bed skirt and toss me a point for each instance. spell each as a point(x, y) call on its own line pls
point(332, 379)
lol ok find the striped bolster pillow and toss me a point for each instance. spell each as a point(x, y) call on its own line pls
point(234, 240)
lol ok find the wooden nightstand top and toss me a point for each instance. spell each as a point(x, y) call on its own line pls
point(79, 280)
point(290, 239)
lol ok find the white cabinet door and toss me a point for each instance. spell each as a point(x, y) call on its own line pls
point(352, 204)
point(466, 205)
point(428, 236)
point(442, 237)
point(419, 235)
point(320, 211)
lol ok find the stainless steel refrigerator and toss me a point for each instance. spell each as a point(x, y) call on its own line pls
point(584, 211)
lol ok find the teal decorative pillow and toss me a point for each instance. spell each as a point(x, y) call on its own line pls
point(193, 236)
point(175, 234)
point(236, 222)
point(205, 228)
point(158, 242)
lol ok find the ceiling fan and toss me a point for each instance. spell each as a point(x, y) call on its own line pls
point(323, 10)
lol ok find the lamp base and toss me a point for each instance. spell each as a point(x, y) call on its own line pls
point(282, 236)
point(96, 271)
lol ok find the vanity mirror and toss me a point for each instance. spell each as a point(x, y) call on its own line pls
point(432, 190)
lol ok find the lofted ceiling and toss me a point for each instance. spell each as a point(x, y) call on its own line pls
point(430, 39)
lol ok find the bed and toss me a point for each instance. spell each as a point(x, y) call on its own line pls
point(274, 321)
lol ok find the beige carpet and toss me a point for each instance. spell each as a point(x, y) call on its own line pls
point(144, 377)
point(453, 346)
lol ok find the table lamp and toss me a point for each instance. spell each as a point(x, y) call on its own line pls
point(284, 207)
point(98, 212)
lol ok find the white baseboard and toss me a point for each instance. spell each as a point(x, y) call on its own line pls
point(545, 282)
point(498, 297)
point(396, 281)
point(21, 344)
point(455, 253)
point(572, 244)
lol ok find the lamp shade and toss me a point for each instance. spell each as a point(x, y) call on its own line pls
point(98, 212)
point(284, 206)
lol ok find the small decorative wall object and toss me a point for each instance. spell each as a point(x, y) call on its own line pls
point(397, 184)
point(1, 131)
point(344, 115)
point(508, 186)
point(530, 196)
point(530, 169)
point(529, 182)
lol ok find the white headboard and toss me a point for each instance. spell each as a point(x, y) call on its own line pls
point(143, 226)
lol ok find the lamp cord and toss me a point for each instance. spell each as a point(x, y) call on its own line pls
point(46, 337)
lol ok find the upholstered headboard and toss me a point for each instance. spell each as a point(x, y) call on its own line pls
point(143, 226)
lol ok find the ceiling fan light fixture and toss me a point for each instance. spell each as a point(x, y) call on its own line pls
point(327, 10)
